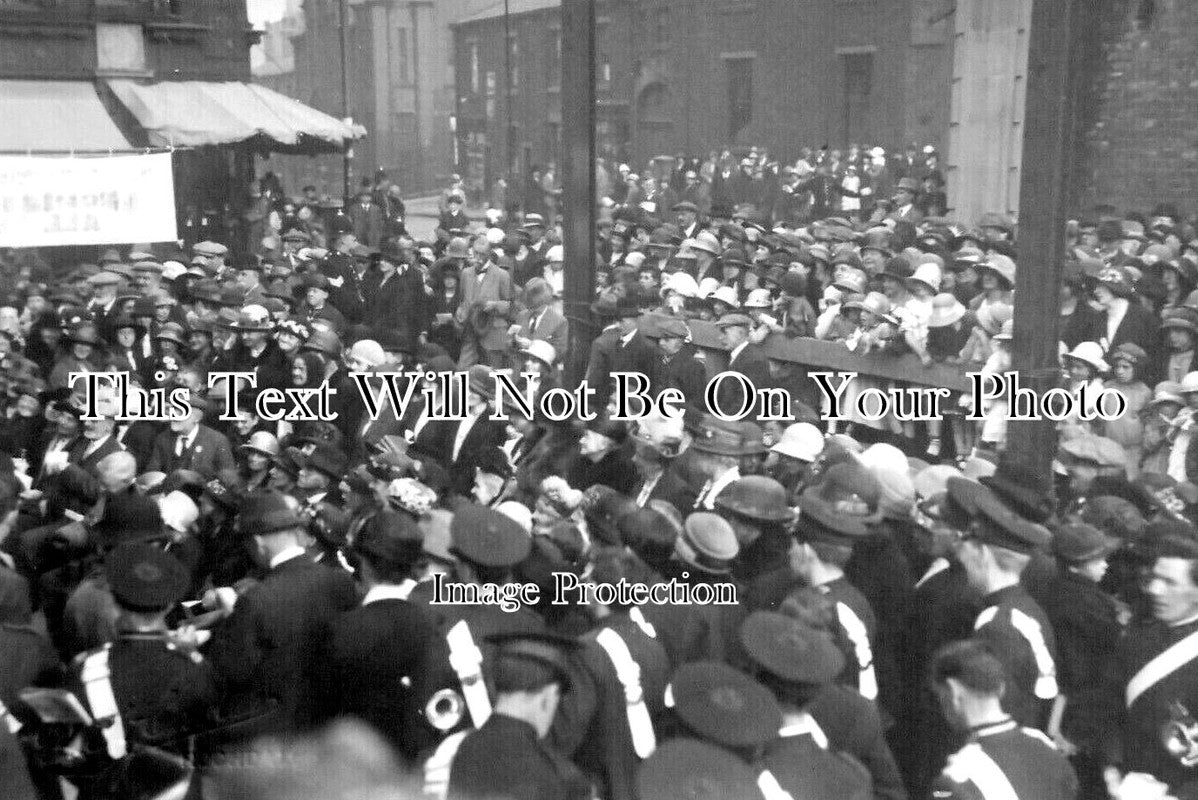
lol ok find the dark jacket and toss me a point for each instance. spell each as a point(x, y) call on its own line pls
point(505, 759)
point(208, 454)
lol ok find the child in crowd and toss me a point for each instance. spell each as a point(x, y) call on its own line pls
point(1128, 361)
point(1180, 329)
point(949, 328)
point(1084, 367)
point(1158, 418)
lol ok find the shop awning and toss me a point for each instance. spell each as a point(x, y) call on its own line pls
point(56, 117)
point(195, 113)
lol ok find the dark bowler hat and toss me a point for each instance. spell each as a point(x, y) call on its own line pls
point(756, 497)
point(820, 522)
point(999, 526)
point(725, 705)
point(790, 649)
point(687, 769)
point(1078, 543)
point(720, 437)
point(144, 578)
point(485, 537)
point(267, 511)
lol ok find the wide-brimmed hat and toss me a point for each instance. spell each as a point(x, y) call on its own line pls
point(171, 332)
point(1001, 267)
point(84, 333)
point(1182, 317)
point(541, 350)
point(1089, 353)
point(928, 274)
point(253, 318)
point(946, 310)
point(725, 295)
point(1078, 543)
point(876, 303)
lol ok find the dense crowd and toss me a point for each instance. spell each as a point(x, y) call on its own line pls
point(919, 611)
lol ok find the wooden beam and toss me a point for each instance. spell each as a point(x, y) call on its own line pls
point(1052, 75)
point(578, 178)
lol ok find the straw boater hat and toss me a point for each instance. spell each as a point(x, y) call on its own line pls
point(1089, 353)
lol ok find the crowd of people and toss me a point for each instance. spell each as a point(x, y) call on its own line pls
point(920, 612)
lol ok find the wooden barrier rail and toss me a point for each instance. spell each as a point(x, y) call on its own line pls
point(820, 355)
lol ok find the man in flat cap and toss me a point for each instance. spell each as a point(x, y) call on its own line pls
point(744, 357)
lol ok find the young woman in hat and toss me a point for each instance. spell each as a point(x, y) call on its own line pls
point(1084, 367)
point(1127, 365)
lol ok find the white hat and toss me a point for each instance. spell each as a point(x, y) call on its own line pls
point(172, 270)
point(802, 441)
point(681, 283)
point(495, 236)
point(706, 242)
point(634, 259)
point(368, 351)
point(539, 348)
point(927, 273)
point(758, 298)
point(1091, 353)
point(877, 152)
point(1189, 383)
point(708, 286)
point(727, 295)
point(179, 512)
point(517, 512)
point(883, 457)
point(555, 254)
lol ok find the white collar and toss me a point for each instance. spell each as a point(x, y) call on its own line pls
point(189, 438)
point(389, 591)
point(934, 569)
point(736, 351)
point(625, 339)
point(286, 554)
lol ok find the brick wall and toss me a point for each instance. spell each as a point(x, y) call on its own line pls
point(1139, 112)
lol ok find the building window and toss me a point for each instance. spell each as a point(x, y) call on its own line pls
point(472, 55)
point(490, 94)
point(120, 48)
point(740, 94)
point(514, 55)
point(401, 56)
point(858, 85)
point(554, 64)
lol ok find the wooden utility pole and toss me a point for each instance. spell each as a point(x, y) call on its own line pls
point(578, 178)
point(1052, 81)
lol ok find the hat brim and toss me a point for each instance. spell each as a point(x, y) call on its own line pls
point(951, 317)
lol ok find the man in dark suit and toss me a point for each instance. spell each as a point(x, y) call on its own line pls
point(271, 650)
point(682, 368)
point(190, 445)
point(378, 650)
point(98, 441)
point(394, 294)
point(621, 347)
point(539, 320)
point(469, 441)
point(367, 219)
point(1125, 319)
point(745, 358)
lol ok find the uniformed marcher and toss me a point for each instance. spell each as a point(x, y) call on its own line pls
point(508, 756)
point(684, 769)
point(820, 718)
point(995, 550)
point(1001, 759)
point(164, 692)
point(378, 652)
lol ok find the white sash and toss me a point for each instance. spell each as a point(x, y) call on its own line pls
point(803, 724)
point(467, 660)
point(770, 788)
point(644, 742)
point(971, 764)
point(638, 617)
point(1046, 680)
point(97, 685)
point(855, 629)
point(438, 766)
point(1165, 664)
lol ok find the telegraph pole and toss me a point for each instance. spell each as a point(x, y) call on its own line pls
point(347, 154)
point(508, 144)
point(578, 177)
point(1045, 177)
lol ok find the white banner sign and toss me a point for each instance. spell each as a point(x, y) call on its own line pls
point(104, 200)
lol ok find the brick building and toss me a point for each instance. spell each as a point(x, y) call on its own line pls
point(696, 75)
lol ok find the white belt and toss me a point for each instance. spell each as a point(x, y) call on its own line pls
point(770, 788)
point(439, 765)
point(467, 660)
point(855, 629)
point(629, 672)
point(1046, 680)
point(97, 685)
